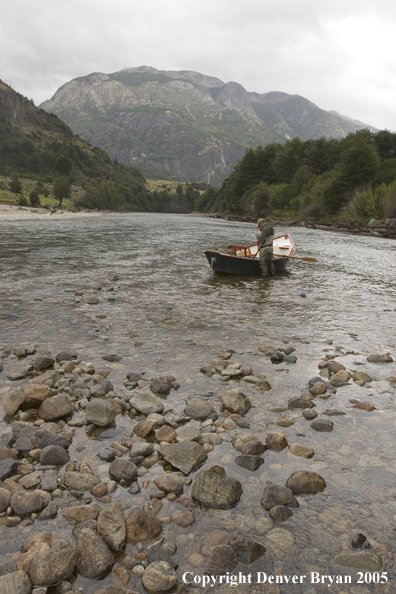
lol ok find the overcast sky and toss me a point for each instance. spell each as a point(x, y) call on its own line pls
point(339, 54)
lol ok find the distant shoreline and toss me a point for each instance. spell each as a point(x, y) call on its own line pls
point(9, 212)
point(387, 232)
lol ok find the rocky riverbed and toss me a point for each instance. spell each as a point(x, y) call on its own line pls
point(159, 423)
point(122, 484)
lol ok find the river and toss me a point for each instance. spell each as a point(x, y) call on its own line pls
point(169, 313)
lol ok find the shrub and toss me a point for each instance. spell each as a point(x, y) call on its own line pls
point(34, 198)
point(22, 201)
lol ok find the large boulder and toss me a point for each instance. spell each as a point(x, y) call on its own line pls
point(111, 526)
point(27, 396)
point(212, 488)
point(94, 558)
point(55, 407)
point(100, 412)
point(186, 456)
point(26, 502)
point(141, 526)
point(50, 567)
point(16, 582)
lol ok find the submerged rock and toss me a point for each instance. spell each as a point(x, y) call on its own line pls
point(141, 526)
point(94, 558)
point(235, 401)
point(222, 559)
point(304, 482)
point(50, 567)
point(212, 488)
point(159, 577)
point(186, 456)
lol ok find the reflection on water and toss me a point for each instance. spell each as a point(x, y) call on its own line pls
point(168, 312)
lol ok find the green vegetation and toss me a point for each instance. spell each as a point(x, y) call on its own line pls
point(352, 179)
point(39, 148)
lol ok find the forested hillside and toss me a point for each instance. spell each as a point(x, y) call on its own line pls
point(38, 145)
point(350, 178)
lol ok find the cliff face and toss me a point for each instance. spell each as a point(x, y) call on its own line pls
point(185, 125)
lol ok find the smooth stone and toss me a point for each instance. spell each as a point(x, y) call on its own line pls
point(303, 482)
point(280, 513)
point(247, 550)
point(159, 577)
point(275, 495)
point(43, 362)
point(16, 582)
point(301, 450)
point(212, 488)
point(378, 358)
point(298, 402)
point(198, 408)
point(80, 513)
point(323, 425)
point(365, 560)
point(239, 440)
point(368, 406)
point(123, 469)
point(254, 448)
point(318, 388)
point(170, 483)
point(186, 456)
point(362, 376)
point(107, 454)
point(309, 414)
point(141, 526)
point(183, 519)
point(54, 455)
point(55, 407)
point(146, 404)
point(251, 463)
point(19, 371)
point(111, 526)
point(50, 567)
point(222, 559)
point(5, 498)
point(276, 441)
point(188, 434)
point(100, 412)
point(162, 384)
point(30, 396)
point(151, 423)
point(94, 558)
point(141, 449)
point(79, 480)
point(235, 401)
point(26, 502)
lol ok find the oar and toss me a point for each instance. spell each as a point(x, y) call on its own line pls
point(305, 258)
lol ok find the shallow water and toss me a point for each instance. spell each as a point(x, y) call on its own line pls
point(169, 313)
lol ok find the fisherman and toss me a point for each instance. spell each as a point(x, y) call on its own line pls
point(265, 238)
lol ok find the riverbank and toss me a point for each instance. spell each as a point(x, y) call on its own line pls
point(376, 230)
point(9, 212)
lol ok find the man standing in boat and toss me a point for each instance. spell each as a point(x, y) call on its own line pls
point(265, 238)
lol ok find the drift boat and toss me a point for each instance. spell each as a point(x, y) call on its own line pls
point(239, 259)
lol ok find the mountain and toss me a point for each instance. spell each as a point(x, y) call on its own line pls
point(32, 141)
point(185, 125)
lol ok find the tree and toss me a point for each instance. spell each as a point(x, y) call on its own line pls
point(63, 165)
point(15, 184)
point(62, 188)
point(34, 198)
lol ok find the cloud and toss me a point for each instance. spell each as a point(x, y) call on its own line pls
point(339, 55)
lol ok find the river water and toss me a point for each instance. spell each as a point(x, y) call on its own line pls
point(169, 313)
